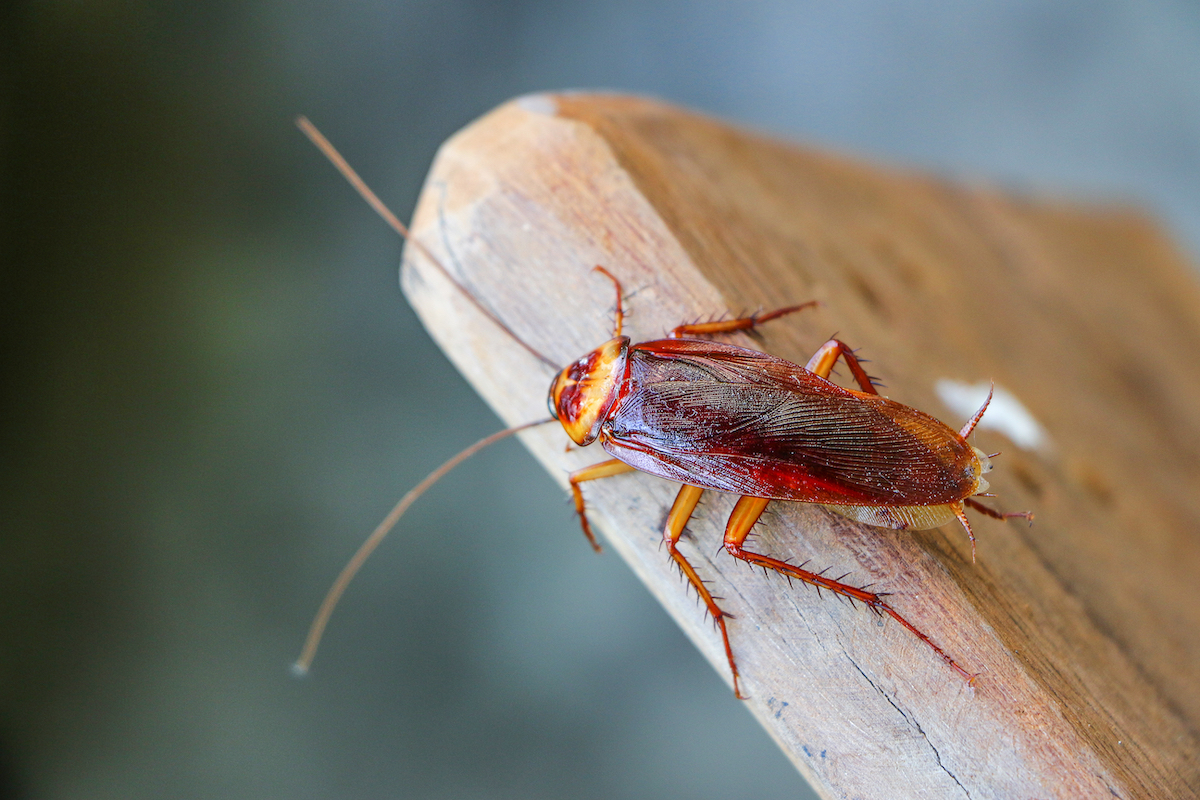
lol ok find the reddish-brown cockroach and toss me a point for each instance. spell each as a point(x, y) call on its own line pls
point(717, 416)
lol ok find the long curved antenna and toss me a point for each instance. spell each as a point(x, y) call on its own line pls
point(330, 152)
point(366, 548)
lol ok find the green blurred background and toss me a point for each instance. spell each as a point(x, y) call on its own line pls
point(213, 389)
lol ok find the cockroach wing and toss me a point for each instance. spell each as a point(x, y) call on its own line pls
point(737, 420)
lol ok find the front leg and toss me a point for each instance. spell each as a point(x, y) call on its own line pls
point(604, 469)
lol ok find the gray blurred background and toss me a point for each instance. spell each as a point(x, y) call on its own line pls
point(213, 389)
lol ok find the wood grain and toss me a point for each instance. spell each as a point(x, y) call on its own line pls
point(1085, 627)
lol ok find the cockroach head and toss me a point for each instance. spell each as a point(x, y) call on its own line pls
point(583, 394)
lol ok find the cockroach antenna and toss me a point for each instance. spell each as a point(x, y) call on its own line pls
point(319, 622)
point(317, 628)
point(360, 186)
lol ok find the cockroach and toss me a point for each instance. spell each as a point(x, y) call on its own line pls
point(716, 416)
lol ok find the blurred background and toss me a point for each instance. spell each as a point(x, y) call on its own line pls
point(213, 388)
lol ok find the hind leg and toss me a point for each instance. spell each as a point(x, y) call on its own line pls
point(745, 515)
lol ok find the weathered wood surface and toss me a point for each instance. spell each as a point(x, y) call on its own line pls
point(1085, 627)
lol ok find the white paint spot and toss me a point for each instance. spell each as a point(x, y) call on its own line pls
point(540, 103)
point(1005, 414)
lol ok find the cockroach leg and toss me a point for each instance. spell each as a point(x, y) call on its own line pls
point(677, 519)
point(618, 314)
point(823, 360)
point(604, 469)
point(957, 508)
point(973, 421)
point(746, 513)
point(740, 324)
point(1001, 515)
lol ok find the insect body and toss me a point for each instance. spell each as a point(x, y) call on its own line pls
point(719, 417)
point(726, 418)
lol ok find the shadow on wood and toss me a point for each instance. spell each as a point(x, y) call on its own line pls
point(1084, 627)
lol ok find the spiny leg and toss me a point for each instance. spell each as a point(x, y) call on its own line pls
point(973, 421)
point(994, 514)
point(745, 515)
point(822, 362)
point(957, 508)
point(740, 324)
point(681, 512)
point(604, 469)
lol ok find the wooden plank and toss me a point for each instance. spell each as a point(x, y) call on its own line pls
point(1084, 627)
